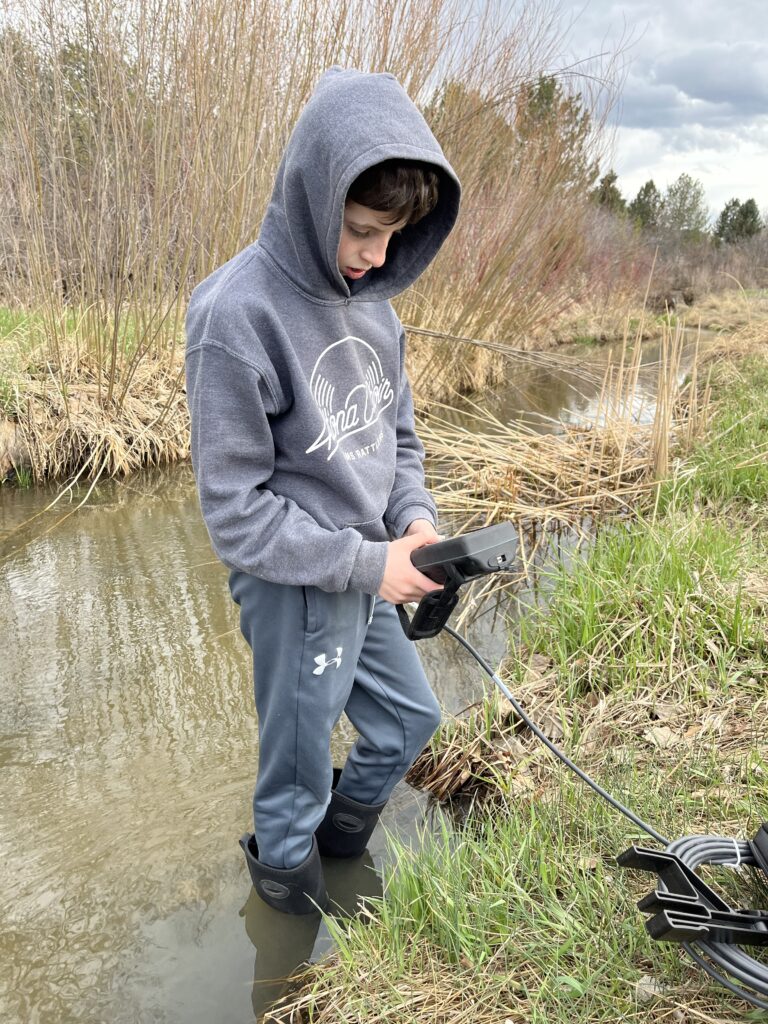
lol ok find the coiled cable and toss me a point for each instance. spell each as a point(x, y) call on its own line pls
point(692, 850)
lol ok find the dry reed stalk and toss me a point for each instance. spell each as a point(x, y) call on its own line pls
point(65, 428)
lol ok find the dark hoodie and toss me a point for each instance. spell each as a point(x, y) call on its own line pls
point(303, 442)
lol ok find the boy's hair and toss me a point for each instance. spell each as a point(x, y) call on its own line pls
point(407, 189)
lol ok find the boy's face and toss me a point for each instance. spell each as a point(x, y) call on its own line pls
point(365, 235)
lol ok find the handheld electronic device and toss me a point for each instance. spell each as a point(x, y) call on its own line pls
point(453, 563)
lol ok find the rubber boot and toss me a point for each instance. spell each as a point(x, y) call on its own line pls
point(347, 825)
point(299, 890)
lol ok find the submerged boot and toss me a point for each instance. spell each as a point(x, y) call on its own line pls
point(299, 890)
point(353, 885)
point(347, 825)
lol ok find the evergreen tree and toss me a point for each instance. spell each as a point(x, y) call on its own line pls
point(685, 207)
point(738, 221)
point(607, 194)
point(646, 208)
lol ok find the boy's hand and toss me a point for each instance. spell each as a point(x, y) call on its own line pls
point(402, 580)
point(423, 527)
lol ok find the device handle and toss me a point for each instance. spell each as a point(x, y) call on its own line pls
point(434, 609)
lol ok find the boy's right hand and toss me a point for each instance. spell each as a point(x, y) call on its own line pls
point(402, 581)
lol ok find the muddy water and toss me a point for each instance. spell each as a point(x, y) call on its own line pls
point(128, 751)
point(542, 397)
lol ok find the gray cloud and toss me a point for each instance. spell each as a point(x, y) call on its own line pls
point(696, 89)
point(733, 74)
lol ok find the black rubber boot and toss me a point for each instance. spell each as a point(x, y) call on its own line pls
point(299, 890)
point(347, 825)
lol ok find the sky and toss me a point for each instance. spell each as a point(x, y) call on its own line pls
point(695, 94)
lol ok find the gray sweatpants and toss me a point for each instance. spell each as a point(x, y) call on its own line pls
point(316, 655)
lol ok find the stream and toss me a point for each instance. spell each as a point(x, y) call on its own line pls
point(128, 749)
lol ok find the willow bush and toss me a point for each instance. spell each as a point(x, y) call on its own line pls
point(140, 142)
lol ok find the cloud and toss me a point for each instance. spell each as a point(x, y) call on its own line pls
point(695, 97)
point(734, 75)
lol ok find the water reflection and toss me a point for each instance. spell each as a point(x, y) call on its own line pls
point(543, 391)
point(285, 944)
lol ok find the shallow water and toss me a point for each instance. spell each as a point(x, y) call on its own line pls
point(545, 390)
point(128, 752)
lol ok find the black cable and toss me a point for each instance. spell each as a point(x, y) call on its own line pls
point(692, 850)
point(555, 750)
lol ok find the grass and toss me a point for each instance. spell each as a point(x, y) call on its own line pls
point(20, 334)
point(649, 666)
point(729, 468)
point(56, 394)
point(13, 321)
point(731, 309)
point(522, 915)
point(656, 602)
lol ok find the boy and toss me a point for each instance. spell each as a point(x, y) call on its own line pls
point(310, 473)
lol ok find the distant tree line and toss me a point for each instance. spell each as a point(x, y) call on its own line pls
point(681, 209)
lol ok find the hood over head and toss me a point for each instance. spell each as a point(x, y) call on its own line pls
point(352, 121)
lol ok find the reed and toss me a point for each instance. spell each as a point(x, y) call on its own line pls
point(601, 467)
point(140, 143)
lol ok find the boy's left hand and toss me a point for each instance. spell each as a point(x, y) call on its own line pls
point(425, 529)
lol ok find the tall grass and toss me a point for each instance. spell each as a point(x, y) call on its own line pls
point(728, 469)
point(140, 144)
point(655, 605)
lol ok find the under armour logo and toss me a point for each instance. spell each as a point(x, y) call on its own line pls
point(323, 662)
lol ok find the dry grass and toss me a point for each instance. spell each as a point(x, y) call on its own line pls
point(734, 310)
point(473, 750)
point(594, 470)
point(431, 995)
point(751, 339)
point(63, 421)
point(63, 425)
point(606, 320)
